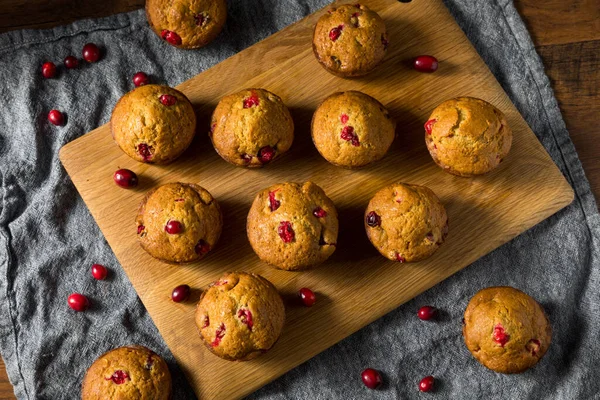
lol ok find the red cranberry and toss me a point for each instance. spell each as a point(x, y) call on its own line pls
point(140, 229)
point(426, 64)
point(90, 53)
point(286, 232)
point(99, 272)
point(371, 378)
point(180, 293)
point(335, 33)
point(245, 316)
point(78, 302)
point(347, 133)
point(427, 312)
point(273, 202)
point(48, 70)
point(252, 101)
point(344, 118)
point(119, 377)
point(500, 335)
point(145, 151)
point(354, 19)
point(71, 62)
point(426, 384)
point(56, 117)
point(219, 334)
point(307, 296)
point(429, 125)
point(266, 154)
point(373, 220)
point(319, 212)
point(125, 178)
point(400, 258)
point(168, 100)
point(173, 227)
point(206, 323)
point(202, 247)
point(247, 158)
point(140, 79)
point(355, 141)
point(171, 37)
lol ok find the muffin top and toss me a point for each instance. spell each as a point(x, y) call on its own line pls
point(240, 316)
point(467, 136)
point(187, 23)
point(293, 226)
point(406, 222)
point(130, 372)
point(352, 129)
point(350, 40)
point(178, 222)
point(506, 330)
point(153, 123)
point(251, 128)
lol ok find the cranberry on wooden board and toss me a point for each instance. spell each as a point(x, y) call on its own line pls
point(173, 227)
point(426, 313)
point(90, 53)
point(426, 64)
point(78, 302)
point(307, 296)
point(371, 378)
point(48, 70)
point(140, 79)
point(99, 272)
point(180, 293)
point(426, 384)
point(71, 62)
point(56, 117)
point(125, 178)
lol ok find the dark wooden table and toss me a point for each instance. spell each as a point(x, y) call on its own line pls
point(566, 34)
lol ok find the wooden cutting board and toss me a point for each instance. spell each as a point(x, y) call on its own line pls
point(356, 285)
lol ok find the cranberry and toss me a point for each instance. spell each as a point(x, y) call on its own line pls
point(373, 220)
point(252, 101)
point(344, 118)
point(173, 227)
point(125, 178)
point(335, 33)
point(500, 336)
point(180, 293)
point(145, 151)
point(119, 377)
point(266, 154)
point(273, 202)
point(319, 212)
point(56, 117)
point(245, 316)
point(307, 296)
point(71, 62)
point(355, 141)
point(99, 272)
point(171, 37)
point(48, 70)
point(140, 79)
point(354, 19)
point(202, 247)
point(286, 232)
point(427, 312)
point(429, 125)
point(219, 334)
point(426, 384)
point(400, 258)
point(533, 346)
point(201, 19)
point(78, 302)
point(371, 378)
point(247, 158)
point(206, 323)
point(149, 360)
point(167, 100)
point(347, 133)
point(384, 41)
point(90, 53)
point(140, 229)
point(426, 64)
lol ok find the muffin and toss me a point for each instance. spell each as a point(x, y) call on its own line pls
point(293, 226)
point(130, 372)
point(187, 24)
point(350, 40)
point(251, 128)
point(178, 222)
point(240, 316)
point(352, 129)
point(153, 124)
point(405, 222)
point(506, 330)
point(467, 136)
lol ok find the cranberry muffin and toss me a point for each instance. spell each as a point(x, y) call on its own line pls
point(352, 129)
point(187, 24)
point(178, 222)
point(240, 316)
point(467, 136)
point(130, 372)
point(350, 40)
point(506, 330)
point(293, 226)
point(406, 223)
point(153, 124)
point(251, 128)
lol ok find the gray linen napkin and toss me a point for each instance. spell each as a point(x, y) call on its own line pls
point(48, 240)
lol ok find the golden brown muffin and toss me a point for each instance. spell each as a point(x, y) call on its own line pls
point(251, 128)
point(506, 330)
point(240, 316)
point(350, 40)
point(153, 124)
point(127, 373)
point(178, 222)
point(405, 222)
point(467, 136)
point(293, 226)
point(352, 129)
point(187, 24)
